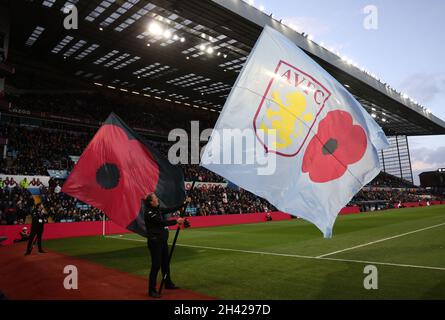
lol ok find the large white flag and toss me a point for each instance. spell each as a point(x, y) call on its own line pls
point(323, 143)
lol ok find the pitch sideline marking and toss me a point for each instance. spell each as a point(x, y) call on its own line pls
point(294, 255)
point(378, 241)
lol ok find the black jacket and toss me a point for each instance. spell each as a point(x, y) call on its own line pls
point(38, 220)
point(155, 221)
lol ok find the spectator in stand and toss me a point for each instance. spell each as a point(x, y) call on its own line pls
point(24, 183)
point(11, 213)
point(51, 183)
point(2, 184)
point(9, 182)
point(57, 189)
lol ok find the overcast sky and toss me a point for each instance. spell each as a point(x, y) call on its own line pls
point(407, 51)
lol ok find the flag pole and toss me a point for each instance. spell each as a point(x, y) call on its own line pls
point(103, 224)
point(174, 244)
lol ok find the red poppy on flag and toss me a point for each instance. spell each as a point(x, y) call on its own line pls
point(337, 144)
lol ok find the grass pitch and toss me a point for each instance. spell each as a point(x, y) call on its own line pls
point(291, 260)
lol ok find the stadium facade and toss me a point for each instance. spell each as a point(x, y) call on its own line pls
point(187, 53)
point(433, 179)
point(396, 159)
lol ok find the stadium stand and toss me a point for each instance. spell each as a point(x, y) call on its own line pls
point(32, 151)
point(388, 180)
point(63, 208)
point(219, 200)
point(33, 148)
point(93, 107)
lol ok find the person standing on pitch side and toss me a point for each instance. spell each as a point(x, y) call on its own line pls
point(157, 236)
point(37, 227)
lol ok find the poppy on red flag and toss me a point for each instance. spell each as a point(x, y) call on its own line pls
point(118, 169)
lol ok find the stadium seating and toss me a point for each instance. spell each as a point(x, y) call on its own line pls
point(93, 108)
point(32, 150)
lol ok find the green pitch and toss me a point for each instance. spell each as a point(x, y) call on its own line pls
point(291, 260)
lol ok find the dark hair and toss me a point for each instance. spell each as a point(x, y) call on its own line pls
point(149, 199)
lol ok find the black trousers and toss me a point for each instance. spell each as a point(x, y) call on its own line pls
point(35, 233)
point(158, 247)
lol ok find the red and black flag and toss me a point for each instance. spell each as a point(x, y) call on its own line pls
point(116, 172)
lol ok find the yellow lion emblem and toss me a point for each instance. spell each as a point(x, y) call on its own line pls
point(287, 120)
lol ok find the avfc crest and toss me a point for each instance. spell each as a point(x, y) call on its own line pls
point(290, 106)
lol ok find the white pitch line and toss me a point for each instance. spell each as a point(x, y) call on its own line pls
point(224, 249)
point(128, 239)
point(295, 255)
point(381, 240)
point(384, 263)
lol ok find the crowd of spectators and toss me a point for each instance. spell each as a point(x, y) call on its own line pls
point(15, 204)
point(63, 208)
point(197, 173)
point(32, 151)
point(216, 200)
point(394, 196)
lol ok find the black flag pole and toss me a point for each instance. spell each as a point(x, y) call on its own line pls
point(174, 243)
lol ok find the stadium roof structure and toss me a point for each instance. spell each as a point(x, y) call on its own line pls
point(188, 52)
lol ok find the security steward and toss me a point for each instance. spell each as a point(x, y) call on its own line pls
point(157, 236)
point(37, 227)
